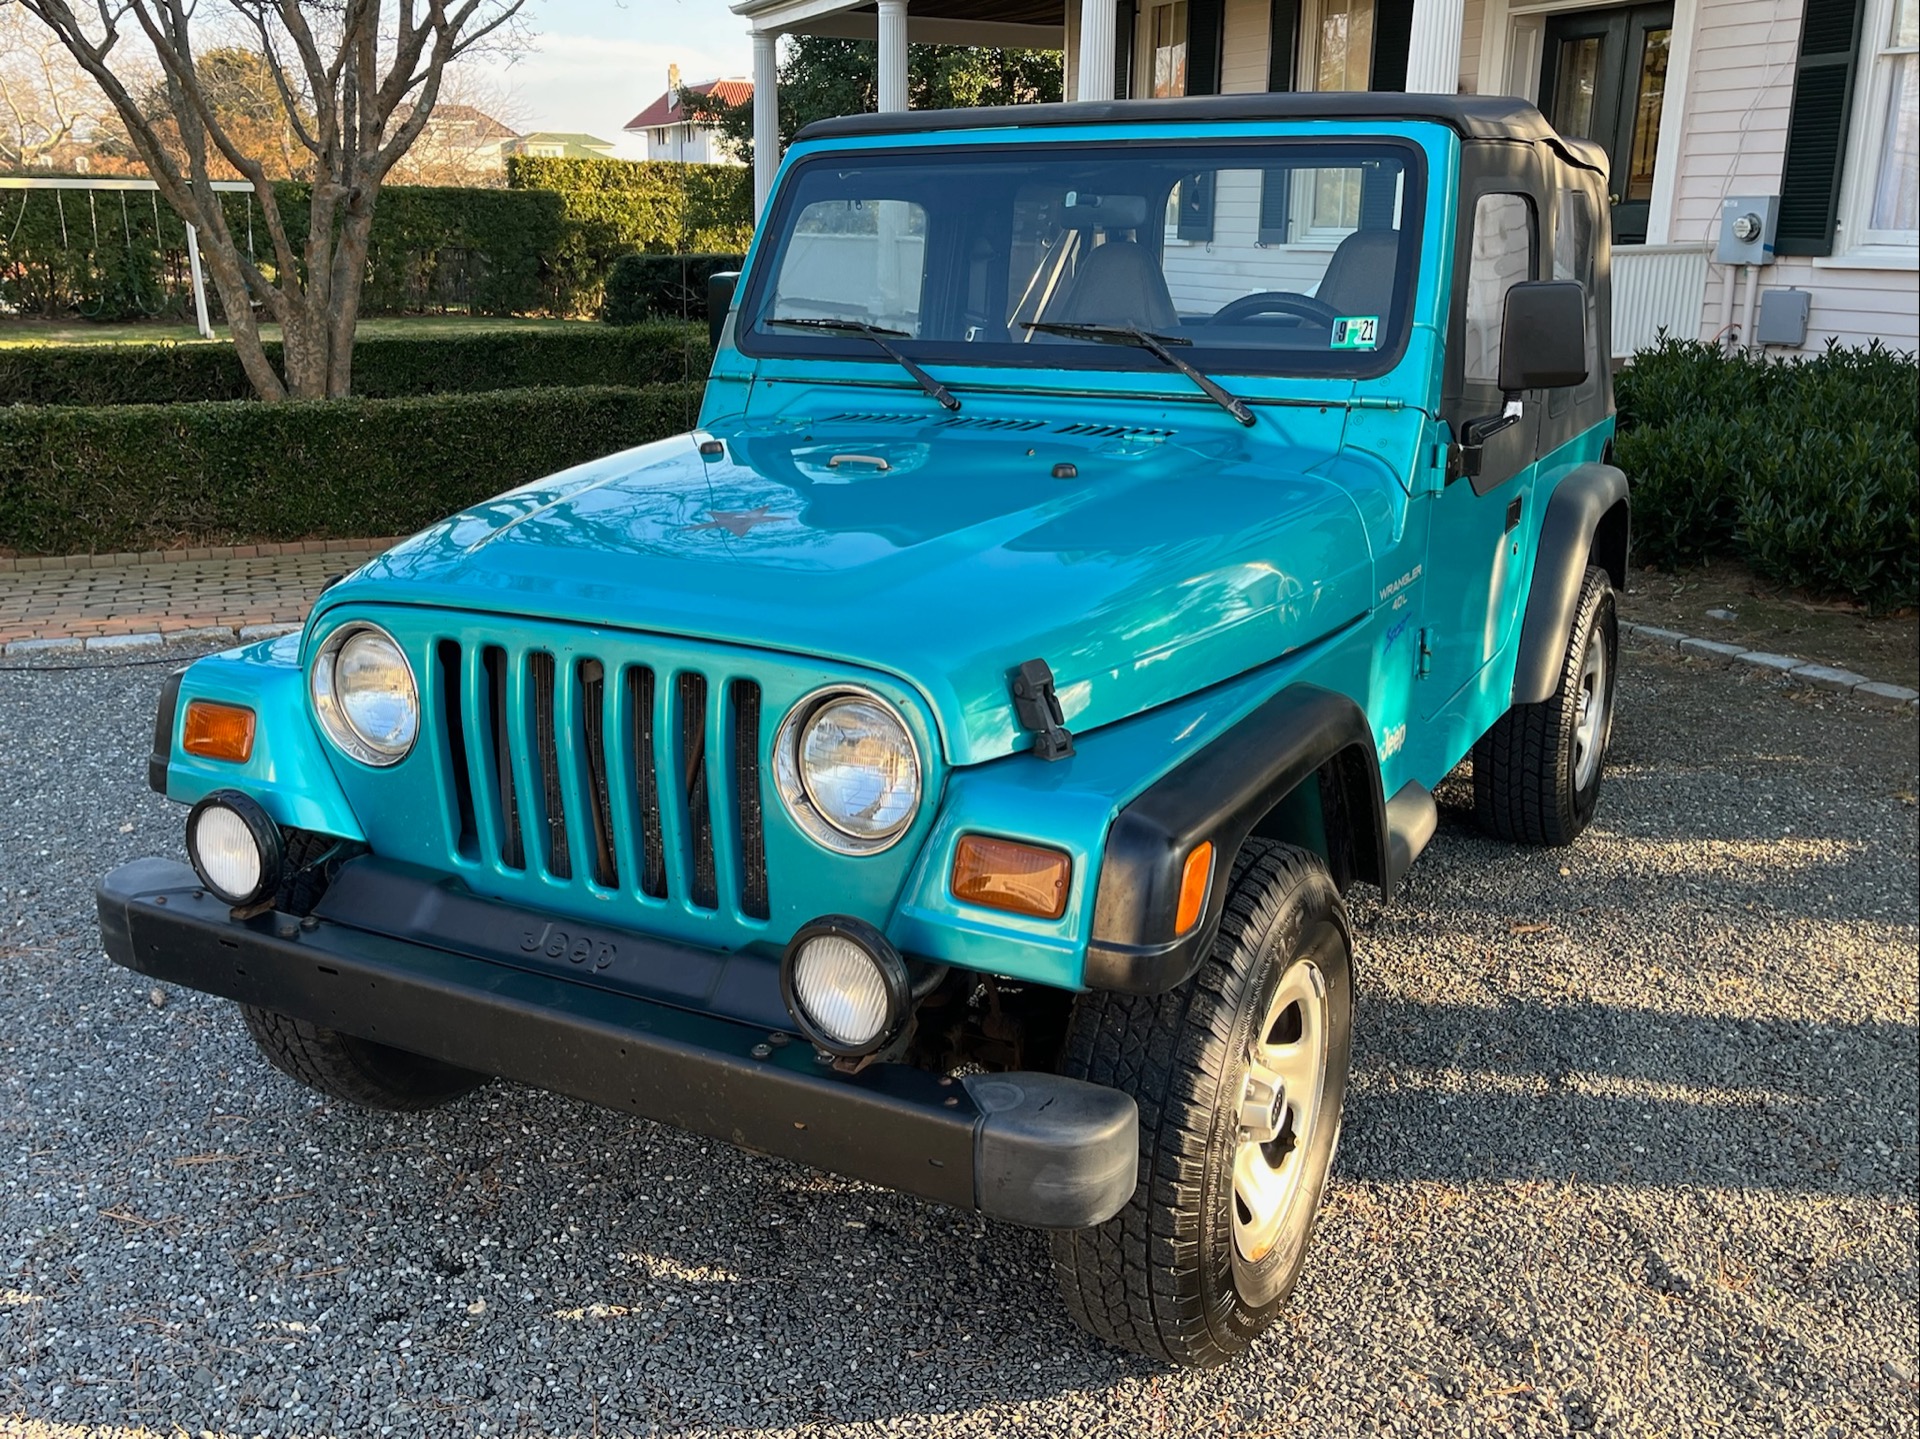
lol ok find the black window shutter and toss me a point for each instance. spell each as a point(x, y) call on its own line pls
point(1276, 195)
point(1283, 44)
point(1204, 23)
point(1196, 207)
point(1379, 187)
point(1817, 127)
point(1283, 51)
point(1123, 43)
point(1392, 38)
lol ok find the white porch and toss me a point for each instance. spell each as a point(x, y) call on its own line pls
point(1009, 24)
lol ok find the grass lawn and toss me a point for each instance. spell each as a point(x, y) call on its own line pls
point(149, 332)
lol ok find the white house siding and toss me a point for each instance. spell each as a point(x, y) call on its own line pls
point(1734, 142)
point(1243, 67)
point(1474, 22)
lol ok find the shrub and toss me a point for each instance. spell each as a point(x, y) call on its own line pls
point(613, 207)
point(1836, 511)
point(1804, 469)
point(647, 287)
point(136, 477)
point(384, 367)
point(1688, 484)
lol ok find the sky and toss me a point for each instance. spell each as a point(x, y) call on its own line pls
point(595, 64)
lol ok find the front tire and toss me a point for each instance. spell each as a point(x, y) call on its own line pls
point(342, 1066)
point(1536, 773)
point(1241, 1077)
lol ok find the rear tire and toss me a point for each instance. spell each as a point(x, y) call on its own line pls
point(1536, 773)
point(342, 1066)
point(1240, 1075)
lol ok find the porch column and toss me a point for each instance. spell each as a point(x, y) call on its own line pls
point(893, 55)
point(1099, 19)
point(766, 117)
point(1433, 51)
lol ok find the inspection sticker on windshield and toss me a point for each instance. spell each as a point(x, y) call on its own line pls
point(1356, 332)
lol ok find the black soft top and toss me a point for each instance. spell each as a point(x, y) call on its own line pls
point(1473, 117)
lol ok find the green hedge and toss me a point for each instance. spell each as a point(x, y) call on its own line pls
point(1806, 470)
point(653, 287)
point(384, 367)
point(139, 477)
point(121, 255)
point(614, 207)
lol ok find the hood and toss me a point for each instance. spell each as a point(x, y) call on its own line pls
point(1139, 565)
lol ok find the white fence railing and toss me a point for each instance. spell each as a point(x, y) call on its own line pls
point(1655, 288)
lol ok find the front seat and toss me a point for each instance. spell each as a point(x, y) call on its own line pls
point(1119, 283)
point(1359, 277)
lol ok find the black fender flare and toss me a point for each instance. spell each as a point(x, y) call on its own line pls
point(1220, 793)
point(1585, 523)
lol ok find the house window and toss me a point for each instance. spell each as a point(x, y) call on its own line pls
point(1167, 49)
point(1337, 55)
point(1339, 48)
point(1893, 148)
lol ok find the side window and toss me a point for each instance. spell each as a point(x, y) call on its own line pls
point(1573, 238)
point(1573, 260)
point(855, 260)
point(1502, 257)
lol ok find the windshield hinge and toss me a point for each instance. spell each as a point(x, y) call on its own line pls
point(1038, 709)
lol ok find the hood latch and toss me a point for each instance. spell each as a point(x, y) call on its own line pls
point(1038, 708)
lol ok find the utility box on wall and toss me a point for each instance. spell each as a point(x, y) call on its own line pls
point(1747, 227)
point(1783, 318)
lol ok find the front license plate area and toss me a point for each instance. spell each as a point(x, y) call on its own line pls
point(422, 908)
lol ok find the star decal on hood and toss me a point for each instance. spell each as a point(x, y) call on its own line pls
point(738, 522)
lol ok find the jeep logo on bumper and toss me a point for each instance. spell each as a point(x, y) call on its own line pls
point(556, 943)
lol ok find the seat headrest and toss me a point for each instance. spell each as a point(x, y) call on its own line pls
point(1119, 283)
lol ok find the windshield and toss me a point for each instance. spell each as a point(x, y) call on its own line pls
point(1271, 257)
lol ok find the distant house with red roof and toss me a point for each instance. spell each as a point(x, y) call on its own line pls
point(672, 134)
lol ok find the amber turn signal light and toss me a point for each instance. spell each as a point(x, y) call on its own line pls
point(217, 731)
point(1193, 887)
point(1004, 874)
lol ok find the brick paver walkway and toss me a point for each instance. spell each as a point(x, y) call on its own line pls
point(114, 601)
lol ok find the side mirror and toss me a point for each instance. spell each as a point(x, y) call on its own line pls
point(1543, 340)
point(1543, 346)
point(719, 300)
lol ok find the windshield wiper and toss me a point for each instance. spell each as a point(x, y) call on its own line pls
point(880, 335)
point(1155, 345)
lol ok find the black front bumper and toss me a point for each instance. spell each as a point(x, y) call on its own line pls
point(1033, 1149)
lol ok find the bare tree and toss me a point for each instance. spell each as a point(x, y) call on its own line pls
point(466, 138)
point(47, 103)
point(357, 80)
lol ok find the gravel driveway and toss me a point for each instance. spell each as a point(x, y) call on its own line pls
point(1631, 1148)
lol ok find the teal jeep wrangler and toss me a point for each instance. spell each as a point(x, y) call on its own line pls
point(1107, 523)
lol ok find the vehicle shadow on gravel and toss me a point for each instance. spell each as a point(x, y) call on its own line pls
point(1596, 1093)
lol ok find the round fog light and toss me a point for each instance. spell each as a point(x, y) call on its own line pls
point(845, 986)
point(235, 847)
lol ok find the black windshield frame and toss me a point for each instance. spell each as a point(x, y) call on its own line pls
point(1298, 152)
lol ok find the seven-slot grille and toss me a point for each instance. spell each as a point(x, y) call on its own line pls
point(628, 777)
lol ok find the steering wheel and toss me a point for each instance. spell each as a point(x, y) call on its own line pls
point(1276, 302)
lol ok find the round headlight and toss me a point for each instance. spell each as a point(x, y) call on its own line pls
point(235, 847)
point(846, 986)
point(848, 770)
point(364, 693)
